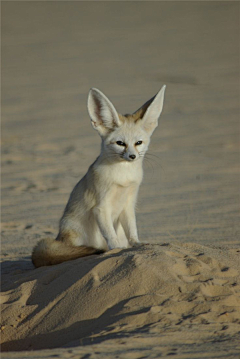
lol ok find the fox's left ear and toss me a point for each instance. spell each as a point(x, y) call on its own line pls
point(104, 117)
point(150, 112)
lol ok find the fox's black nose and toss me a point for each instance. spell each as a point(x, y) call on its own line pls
point(132, 157)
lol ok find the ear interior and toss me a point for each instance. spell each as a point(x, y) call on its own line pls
point(103, 114)
point(138, 115)
point(150, 112)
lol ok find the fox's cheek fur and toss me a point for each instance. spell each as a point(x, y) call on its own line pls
point(114, 150)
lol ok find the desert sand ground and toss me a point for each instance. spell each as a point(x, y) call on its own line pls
point(178, 295)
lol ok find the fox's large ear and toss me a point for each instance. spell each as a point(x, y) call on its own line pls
point(104, 117)
point(150, 112)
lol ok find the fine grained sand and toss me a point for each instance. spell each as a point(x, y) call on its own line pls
point(178, 295)
point(154, 290)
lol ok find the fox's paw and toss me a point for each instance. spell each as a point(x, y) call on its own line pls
point(117, 245)
point(117, 248)
point(134, 243)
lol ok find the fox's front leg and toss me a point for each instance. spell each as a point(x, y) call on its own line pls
point(128, 221)
point(104, 220)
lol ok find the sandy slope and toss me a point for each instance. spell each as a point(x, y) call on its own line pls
point(178, 299)
point(147, 292)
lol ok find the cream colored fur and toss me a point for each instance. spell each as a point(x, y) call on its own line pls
point(100, 213)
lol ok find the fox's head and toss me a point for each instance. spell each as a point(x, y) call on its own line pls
point(124, 138)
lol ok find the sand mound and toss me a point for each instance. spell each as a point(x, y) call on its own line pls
point(120, 293)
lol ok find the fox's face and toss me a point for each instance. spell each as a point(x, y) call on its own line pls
point(129, 142)
point(124, 138)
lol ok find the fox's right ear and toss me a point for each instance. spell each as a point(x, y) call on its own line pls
point(104, 117)
point(151, 111)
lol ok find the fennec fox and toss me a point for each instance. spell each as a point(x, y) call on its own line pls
point(100, 213)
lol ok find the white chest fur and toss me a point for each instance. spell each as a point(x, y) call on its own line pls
point(122, 174)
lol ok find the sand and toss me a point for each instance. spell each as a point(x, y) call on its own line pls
point(156, 292)
point(178, 294)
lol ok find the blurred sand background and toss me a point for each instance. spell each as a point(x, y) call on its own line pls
point(52, 54)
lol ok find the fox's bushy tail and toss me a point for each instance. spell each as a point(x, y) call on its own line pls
point(49, 251)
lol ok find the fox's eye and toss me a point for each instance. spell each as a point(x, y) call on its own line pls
point(138, 143)
point(120, 143)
